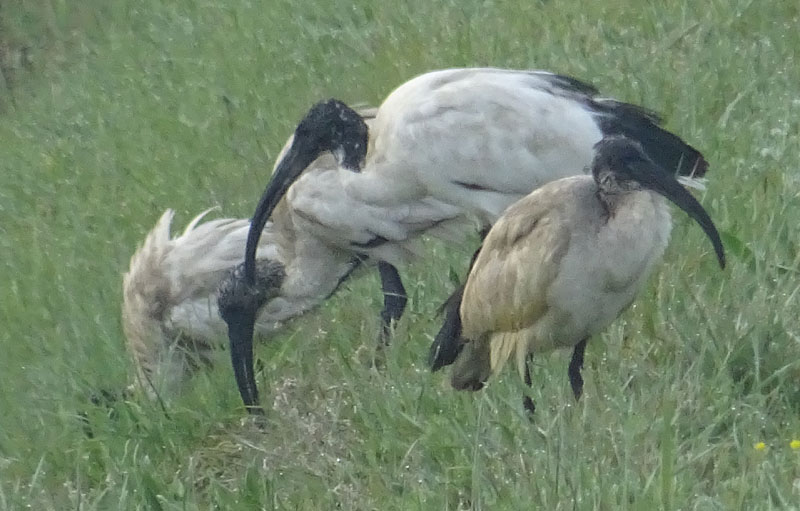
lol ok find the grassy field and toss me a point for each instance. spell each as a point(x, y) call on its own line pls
point(113, 110)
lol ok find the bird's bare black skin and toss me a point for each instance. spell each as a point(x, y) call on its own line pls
point(328, 126)
point(573, 372)
point(527, 401)
point(238, 304)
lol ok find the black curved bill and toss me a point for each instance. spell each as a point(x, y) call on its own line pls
point(241, 321)
point(296, 160)
point(654, 178)
point(240, 334)
point(238, 303)
point(328, 125)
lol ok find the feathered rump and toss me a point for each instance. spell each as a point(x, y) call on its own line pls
point(146, 294)
point(169, 307)
point(506, 344)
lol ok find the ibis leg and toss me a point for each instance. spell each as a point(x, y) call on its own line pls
point(527, 402)
point(575, 366)
point(394, 299)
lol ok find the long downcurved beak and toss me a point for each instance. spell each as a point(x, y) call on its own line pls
point(239, 303)
point(240, 335)
point(296, 160)
point(656, 179)
point(241, 320)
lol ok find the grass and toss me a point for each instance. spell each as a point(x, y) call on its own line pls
point(116, 110)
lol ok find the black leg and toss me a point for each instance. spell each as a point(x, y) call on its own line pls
point(527, 402)
point(394, 299)
point(575, 366)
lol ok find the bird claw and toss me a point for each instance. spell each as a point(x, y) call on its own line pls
point(530, 407)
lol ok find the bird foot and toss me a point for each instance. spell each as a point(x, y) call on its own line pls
point(530, 407)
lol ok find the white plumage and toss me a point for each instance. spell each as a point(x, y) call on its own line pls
point(469, 141)
point(169, 311)
point(476, 138)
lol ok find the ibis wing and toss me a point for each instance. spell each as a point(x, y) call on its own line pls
point(520, 258)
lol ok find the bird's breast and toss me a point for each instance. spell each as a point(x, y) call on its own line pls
point(608, 262)
point(634, 237)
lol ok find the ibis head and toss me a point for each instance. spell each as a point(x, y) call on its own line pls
point(621, 165)
point(239, 303)
point(328, 126)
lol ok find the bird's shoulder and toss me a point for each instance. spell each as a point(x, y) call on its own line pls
point(507, 289)
point(544, 213)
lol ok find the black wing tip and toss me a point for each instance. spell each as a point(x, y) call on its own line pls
point(434, 361)
point(436, 358)
point(665, 148)
point(439, 358)
point(447, 345)
point(690, 161)
point(638, 123)
point(700, 166)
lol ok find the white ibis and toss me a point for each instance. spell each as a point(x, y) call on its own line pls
point(170, 313)
point(561, 264)
point(451, 144)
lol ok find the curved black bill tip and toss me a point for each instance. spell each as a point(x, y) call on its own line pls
point(238, 306)
point(240, 335)
point(670, 188)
